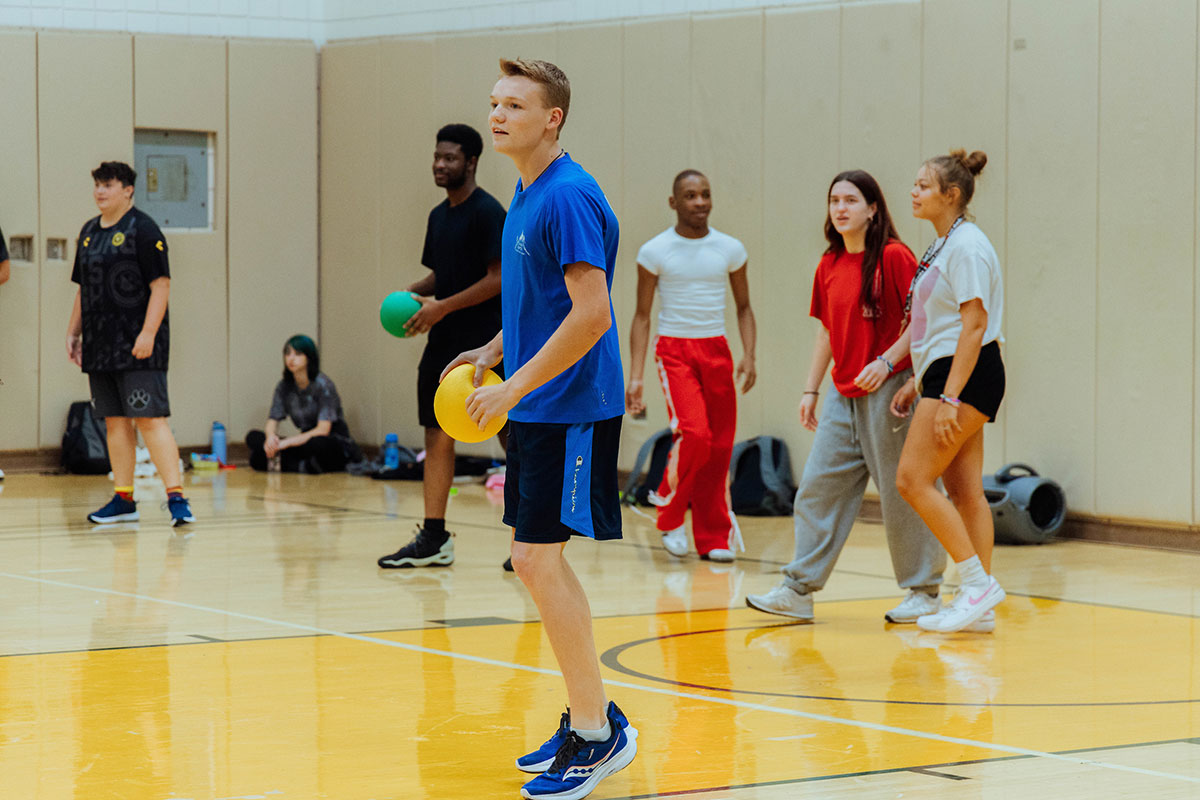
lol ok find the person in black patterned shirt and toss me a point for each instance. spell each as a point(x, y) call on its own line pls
point(118, 334)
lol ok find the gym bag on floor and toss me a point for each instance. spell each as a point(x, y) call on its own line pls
point(656, 450)
point(761, 484)
point(85, 442)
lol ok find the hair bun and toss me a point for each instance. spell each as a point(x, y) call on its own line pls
point(973, 163)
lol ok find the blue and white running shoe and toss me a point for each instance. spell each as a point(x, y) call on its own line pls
point(541, 759)
point(181, 511)
point(580, 765)
point(116, 510)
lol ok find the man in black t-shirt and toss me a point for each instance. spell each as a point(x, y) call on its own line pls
point(118, 334)
point(460, 310)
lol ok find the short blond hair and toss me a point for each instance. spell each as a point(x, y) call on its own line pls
point(556, 89)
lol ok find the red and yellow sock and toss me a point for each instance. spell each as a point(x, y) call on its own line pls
point(174, 491)
point(124, 492)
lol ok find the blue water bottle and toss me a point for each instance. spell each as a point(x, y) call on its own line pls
point(218, 443)
point(391, 451)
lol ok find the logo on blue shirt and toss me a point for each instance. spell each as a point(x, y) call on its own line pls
point(520, 245)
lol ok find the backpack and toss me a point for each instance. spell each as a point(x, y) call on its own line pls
point(656, 450)
point(761, 482)
point(85, 442)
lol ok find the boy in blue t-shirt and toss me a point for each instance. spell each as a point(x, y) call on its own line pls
point(564, 397)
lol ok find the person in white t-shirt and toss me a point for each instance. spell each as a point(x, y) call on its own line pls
point(956, 308)
point(689, 264)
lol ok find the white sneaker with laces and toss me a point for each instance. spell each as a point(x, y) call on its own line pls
point(784, 601)
point(985, 624)
point(968, 607)
point(722, 554)
point(676, 541)
point(916, 604)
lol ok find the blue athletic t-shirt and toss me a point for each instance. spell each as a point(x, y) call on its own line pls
point(562, 219)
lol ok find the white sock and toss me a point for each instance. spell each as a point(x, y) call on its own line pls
point(602, 735)
point(972, 573)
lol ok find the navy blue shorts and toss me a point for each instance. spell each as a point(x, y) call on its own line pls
point(561, 480)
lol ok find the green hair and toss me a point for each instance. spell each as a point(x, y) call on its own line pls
point(303, 344)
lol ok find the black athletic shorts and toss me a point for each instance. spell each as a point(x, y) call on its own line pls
point(136, 393)
point(561, 480)
point(433, 361)
point(985, 387)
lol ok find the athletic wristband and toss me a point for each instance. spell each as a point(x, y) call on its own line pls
point(954, 401)
point(816, 393)
point(891, 367)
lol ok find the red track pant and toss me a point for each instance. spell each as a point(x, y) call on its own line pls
point(697, 380)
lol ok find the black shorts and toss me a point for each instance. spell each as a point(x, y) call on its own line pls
point(561, 480)
point(433, 361)
point(985, 387)
point(137, 393)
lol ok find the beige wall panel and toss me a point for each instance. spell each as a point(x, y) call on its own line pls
point(1050, 280)
point(180, 84)
point(272, 216)
point(1145, 312)
point(656, 146)
point(408, 128)
point(18, 217)
point(727, 86)
point(594, 137)
point(351, 336)
point(69, 149)
point(964, 72)
point(198, 377)
point(465, 70)
point(800, 154)
point(881, 99)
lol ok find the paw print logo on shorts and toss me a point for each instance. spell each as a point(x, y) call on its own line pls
point(138, 399)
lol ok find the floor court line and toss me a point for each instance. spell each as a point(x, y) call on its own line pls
point(874, 726)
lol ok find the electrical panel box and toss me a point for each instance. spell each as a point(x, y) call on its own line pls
point(176, 173)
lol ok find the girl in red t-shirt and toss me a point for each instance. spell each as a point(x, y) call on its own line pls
point(858, 296)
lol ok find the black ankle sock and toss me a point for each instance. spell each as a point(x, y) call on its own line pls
point(436, 528)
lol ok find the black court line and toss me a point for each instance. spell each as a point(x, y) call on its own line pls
point(204, 638)
point(894, 770)
point(611, 658)
point(934, 774)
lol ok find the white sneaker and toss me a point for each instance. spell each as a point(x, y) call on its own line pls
point(676, 541)
point(784, 601)
point(985, 624)
point(1, 474)
point(916, 604)
point(722, 554)
point(967, 607)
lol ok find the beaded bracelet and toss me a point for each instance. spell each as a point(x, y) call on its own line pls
point(891, 367)
point(954, 401)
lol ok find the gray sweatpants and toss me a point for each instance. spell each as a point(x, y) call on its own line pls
point(859, 437)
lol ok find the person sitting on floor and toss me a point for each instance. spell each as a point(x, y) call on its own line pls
point(308, 397)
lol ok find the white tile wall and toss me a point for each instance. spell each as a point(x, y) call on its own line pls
point(323, 20)
point(290, 19)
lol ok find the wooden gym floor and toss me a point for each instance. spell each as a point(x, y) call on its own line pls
point(260, 653)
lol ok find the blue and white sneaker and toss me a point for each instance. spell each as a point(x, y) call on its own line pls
point(181, 512)
point(541, 759)
point(580, 765)
point(117, 510)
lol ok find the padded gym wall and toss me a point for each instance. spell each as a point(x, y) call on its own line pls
point(199, 375)
point(272, 216)
point(48, 82)
point(1088, 196)
point(19, 356)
